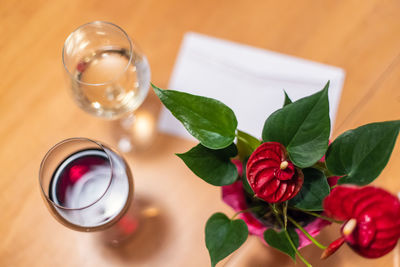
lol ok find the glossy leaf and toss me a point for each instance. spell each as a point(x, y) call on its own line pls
point(245, 182)
point(303, 127)
point(361, 154)
point(287, 99)
point(209, 120)
point(279, 240)
point(246, 144)
point(213, 166)
point(315, 188)
point(224, 236)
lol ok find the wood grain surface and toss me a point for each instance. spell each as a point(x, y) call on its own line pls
point(36, 111)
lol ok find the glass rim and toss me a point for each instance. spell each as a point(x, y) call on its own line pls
point(48, 154)
point(98, 22)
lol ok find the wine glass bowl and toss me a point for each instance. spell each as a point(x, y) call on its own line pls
point(86, 185)
point(108, 74)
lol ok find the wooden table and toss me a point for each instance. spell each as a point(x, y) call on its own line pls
point(36, 111)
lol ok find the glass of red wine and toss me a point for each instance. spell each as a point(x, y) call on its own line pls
point(88, 186)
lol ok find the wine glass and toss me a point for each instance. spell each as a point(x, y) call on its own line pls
point(88, 186)
point(108, 74)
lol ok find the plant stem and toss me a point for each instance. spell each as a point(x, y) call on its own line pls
point(312, 239)
point(317, 215)
point(296, 250)
point(285, 206)
point(276, 213)
point(246, 210)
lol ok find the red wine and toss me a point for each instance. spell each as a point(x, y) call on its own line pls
point(91, 186)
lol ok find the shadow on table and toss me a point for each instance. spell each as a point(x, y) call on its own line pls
point(135, 133)
point(149, 238)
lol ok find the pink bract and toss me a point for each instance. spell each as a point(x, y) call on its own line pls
point(234, 196)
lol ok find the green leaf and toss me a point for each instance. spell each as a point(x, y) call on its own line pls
point(303, 127)
point(224, 236)
point(287, 99)
point(246, 144)
point(362, 153)
point(245, 182)
point(281, 242)
point(207, 119)
point(213, 166)
point(315, 188)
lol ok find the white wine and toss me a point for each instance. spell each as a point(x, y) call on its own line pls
point(111, 82)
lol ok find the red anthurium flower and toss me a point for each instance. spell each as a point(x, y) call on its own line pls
point(372, 219)
point(271, 175)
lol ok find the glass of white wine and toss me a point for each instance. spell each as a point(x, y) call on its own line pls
point(108, 74)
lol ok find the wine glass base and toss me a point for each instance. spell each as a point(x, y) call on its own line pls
point(135, 132)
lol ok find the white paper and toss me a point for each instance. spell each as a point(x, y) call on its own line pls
point(249, 80)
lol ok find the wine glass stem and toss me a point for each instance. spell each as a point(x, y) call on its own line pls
point(125, 141)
